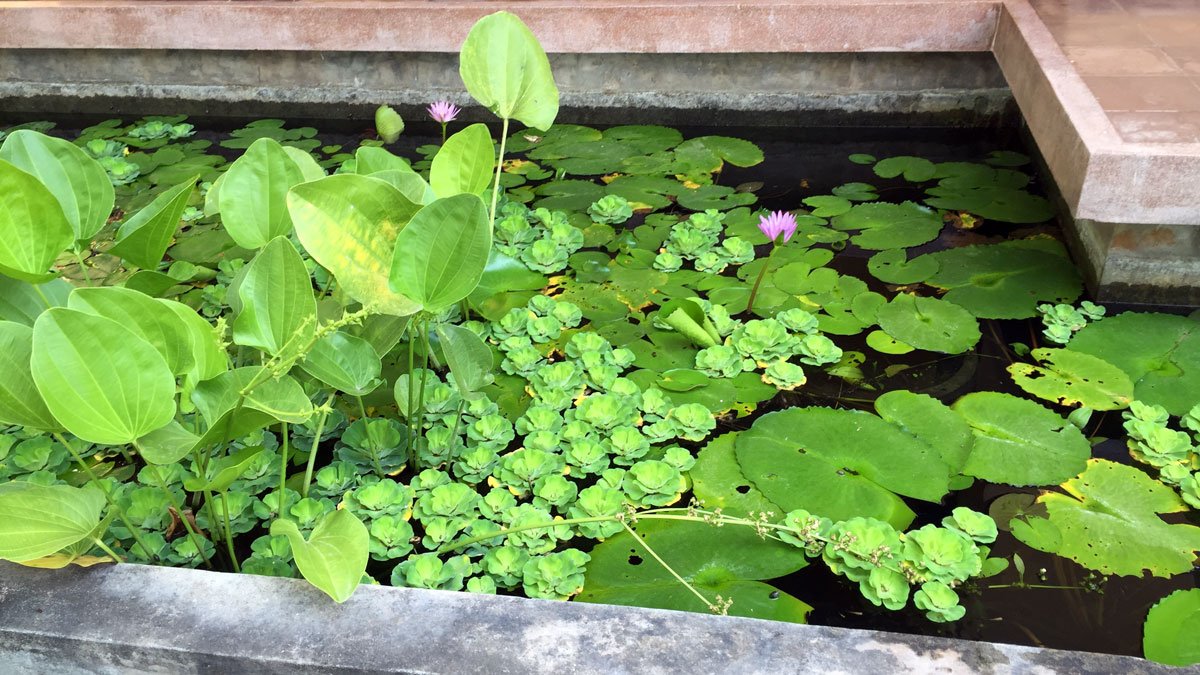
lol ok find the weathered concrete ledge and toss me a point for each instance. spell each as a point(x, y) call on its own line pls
point(129, 618)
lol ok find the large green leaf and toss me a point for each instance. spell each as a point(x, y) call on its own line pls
point(470, 359)
point(344, 362)
point(1107, 521)
point(273, 400)
point(727, 561)
point(100, 380)
point(931, 421)
point(348, 224)
point(279, 311)
point(718, 481)
point(888, 226)
point(929, 323)
point(506, 70)
point(37, 520)
point(1171, 627)
point(23, 302)
point(253, 195)
point(222, 471)
point(369, 160)
point(914, 169)
point(1159, 352)
point(840, 464)
point(77, 181)
point(149, 318)
point(208, 355)
point(1072, 378)
point(144, 237)
point(334, 557)
point(464, 163)
point(20, 402)
point(441, 254)
point(167, 445)
point(1006, 280)
point(33, 229)
point(1019, 442)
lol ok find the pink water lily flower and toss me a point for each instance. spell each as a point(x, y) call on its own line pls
point(443, 111)
point(777, 223)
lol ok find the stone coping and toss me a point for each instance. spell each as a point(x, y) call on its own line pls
point(1102, 178)
point(134, 618)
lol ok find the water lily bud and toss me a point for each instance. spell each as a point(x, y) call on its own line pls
point(388, 124)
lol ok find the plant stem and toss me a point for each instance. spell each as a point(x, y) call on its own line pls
point(412, 380)
point(312, 453)
point(112, 503)
point(362, 409)
point(229, 532)
point(187, 525)
point(758, 281)
point(104, 547)
point(420, 414)
point(83, 268)
point(283, 470)
point(711, 606)
point(499, 166)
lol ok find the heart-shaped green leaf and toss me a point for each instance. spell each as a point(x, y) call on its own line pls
point(344, 362)
point(100, 380)
point(334, 557)
point(77, 181)
point(470, 359)
point(253, 195)
point(37, 520)
point(1071, 378)
point(506, 70)
point(279, 311)
point(33, 228)
point(441, 254)
point(464, 164)
point(348, 224)
point(20, 402)
point(143, 238)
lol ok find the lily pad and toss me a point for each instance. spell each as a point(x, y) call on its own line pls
point(717, 197)
point(1171, 628)
point(1073, 378)
point(718, 481)
point(1159, 352)
point(728, 561)
point(893, 267)
point(928, 323)
point(887, 225)
point(840, 464)
point(646, 138)
point(1108, 521)
point(914, 169)
point(567, 195)
point(931, 421)
point(828, 206)
point(1018, 442)
point(1006, 280)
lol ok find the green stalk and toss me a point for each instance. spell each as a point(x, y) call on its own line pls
point(412, 379)
point(499, 166)
point(283, 471)
point(420, 414)
point(711, 606)
point(362, 409)
point(761, 273)
point(187, 525)
point(229, 533)
point(83, 268)
point(104, 547)
point(312, 453)
point(112, 503)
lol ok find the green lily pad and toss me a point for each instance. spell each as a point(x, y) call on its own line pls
point(718, 481)
point(1006, 280)
point(587, 158)
point(736, 151)
point(1171, 627)
point(931, 421)
point(1007, 158)
point(1159, 352)
point(1108, 521)
point(717, 197)
point(887, 225)
point(914, 169)
point(646, 138)
point(827, 206)
point(886, 344)
point(840, 464)
point(1018, 442)
point(727, 561)
point(928, 323)
point(1073, 378)
point(856, 192)
point(862, 158)
point(682, 379)
point(893, 267)
point(567, 195)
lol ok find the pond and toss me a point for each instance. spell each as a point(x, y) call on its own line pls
point(844, 376)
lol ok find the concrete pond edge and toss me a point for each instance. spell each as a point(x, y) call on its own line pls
point(134, 618)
